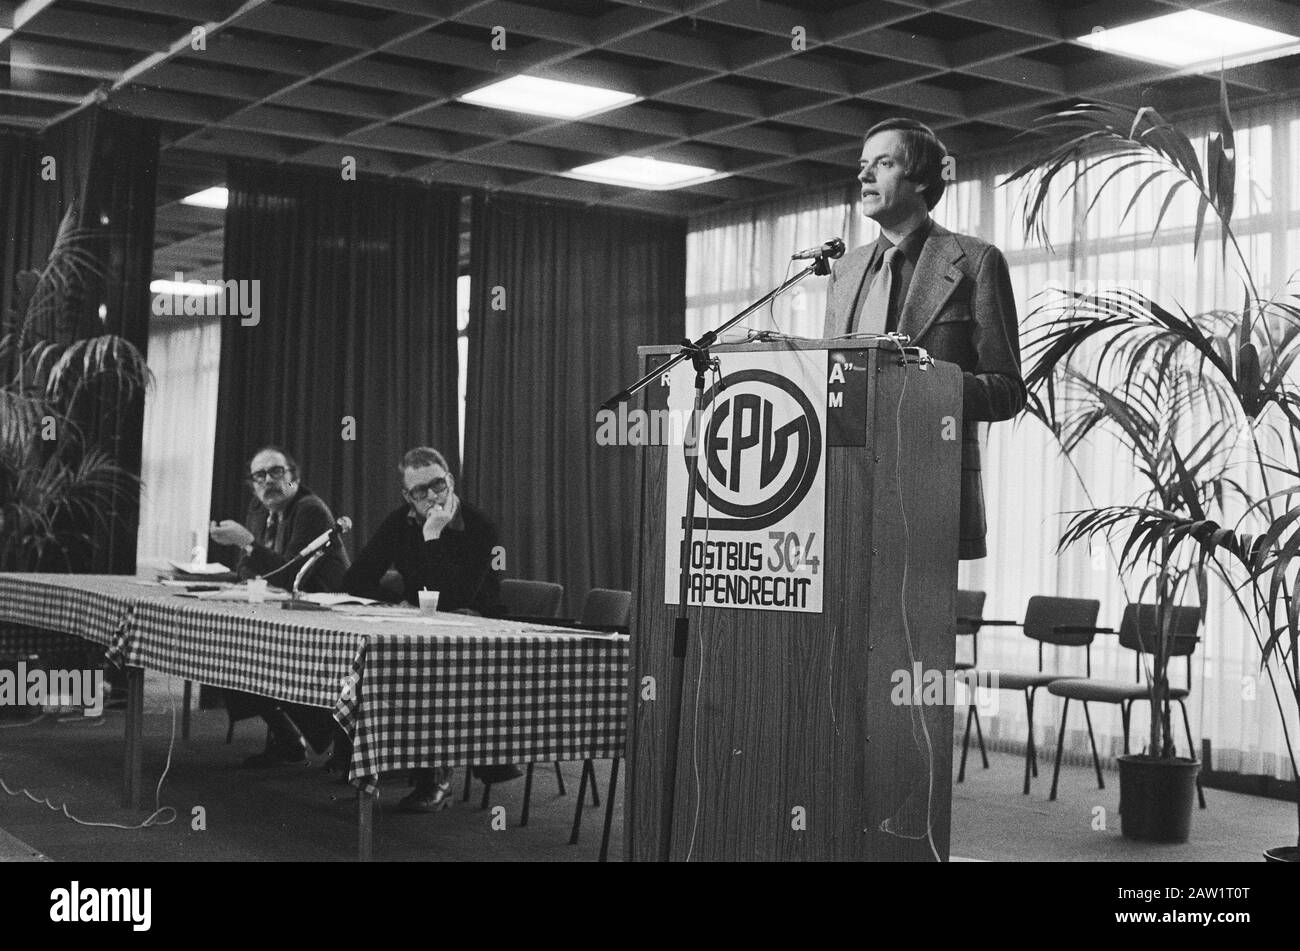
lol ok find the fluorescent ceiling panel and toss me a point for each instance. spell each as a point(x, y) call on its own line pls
point(185, 288)
point(215, 197)
point(548, 97)
point(1192, 39)
point(638, 172)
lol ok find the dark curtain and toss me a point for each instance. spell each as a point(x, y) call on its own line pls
point(106, 163)
point(353, 358)
point(582, 289)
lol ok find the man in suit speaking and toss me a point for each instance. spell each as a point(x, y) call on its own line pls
point(949, 293)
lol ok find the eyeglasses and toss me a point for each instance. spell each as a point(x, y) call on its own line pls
point(261, 475)
point(418, 493)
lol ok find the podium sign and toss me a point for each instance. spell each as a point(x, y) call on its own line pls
point(761, 513)
point(824, 564)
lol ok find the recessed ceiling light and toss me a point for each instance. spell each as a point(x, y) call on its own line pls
point(1193, 39)
point(548, 97)
point(637, 172)
point(215, 197)
point(186, 288)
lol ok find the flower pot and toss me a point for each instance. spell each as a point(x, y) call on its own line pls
point(1283, 853)
point(1155, 797)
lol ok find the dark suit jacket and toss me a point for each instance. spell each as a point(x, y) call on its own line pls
point(305, 518)
point(960, 308)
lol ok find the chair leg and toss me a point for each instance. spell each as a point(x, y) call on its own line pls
point(1033, 741)
point(965, 745)
point(230, 732)
point(591, 771)
point(187, 695)
point(979, 734)
point(610, 799)
point(577, 813)
point(1096, 763)
point(469, 775)
point(1031, 750)
point(1187, 726)
point(487, 791)
point(1125, 710)
point(1060, 745)
point(528, 794)
point(559, 779)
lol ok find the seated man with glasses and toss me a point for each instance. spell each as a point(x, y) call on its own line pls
point(282, 519)
point(435, 541)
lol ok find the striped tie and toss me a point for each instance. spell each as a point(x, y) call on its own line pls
point(874, 316)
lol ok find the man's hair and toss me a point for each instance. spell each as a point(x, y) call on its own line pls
point(923, 155)
point(422, 456)
point(289, 462)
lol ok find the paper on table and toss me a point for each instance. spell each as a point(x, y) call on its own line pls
point(237, 593)
point(331, 599)
point(424, 619)
point(211, 568)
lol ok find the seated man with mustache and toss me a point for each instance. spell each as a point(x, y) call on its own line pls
point(283, 518)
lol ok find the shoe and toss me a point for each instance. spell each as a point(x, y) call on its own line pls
point(497, 774)
point(280, 748)
point(427, 799)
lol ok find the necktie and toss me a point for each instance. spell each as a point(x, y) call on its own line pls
point(269, 536)
point(874, 316)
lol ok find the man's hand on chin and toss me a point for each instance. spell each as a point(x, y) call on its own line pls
point(438, 517)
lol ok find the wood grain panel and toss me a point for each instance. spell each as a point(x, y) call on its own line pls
point(784, 709)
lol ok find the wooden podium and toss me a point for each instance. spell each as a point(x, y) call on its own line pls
point(793, 743)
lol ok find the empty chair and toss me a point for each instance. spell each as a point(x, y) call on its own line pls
point(1064, 622)
point(606, 607)
point(611, 610)
point(531, 599)
point(970, 615)
point(525, 600)
point(1139, 633)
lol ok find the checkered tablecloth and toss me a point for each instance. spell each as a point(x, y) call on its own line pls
point(298, 657)
point(497, 696)
point(456, 692)
point(58, 613)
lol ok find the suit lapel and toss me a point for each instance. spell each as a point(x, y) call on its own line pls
point(935, 278)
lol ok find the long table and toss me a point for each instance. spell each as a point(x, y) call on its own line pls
point(411, 693)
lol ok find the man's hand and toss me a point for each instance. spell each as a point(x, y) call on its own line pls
point(230, 532)
point(439, 516)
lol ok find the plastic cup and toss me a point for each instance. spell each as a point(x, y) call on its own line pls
point(256, 590)
point(428, 602)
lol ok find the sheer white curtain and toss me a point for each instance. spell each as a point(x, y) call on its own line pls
point(180, 418)
point(733, 256)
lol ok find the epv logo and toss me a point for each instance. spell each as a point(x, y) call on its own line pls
point(762, 448)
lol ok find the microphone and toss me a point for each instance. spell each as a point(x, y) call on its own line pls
point(342, 525)
point(834, 248)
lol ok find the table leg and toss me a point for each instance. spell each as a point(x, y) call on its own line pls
point(365, 825)
point(134, 737)
point(186, 697)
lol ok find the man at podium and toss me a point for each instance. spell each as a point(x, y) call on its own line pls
point(949, 293)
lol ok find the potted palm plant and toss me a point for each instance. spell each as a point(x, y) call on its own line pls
point(55, 485)
point(1203, 400)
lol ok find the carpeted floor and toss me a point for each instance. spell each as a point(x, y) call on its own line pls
point(299, 813)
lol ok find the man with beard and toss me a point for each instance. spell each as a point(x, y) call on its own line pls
point(283, 518)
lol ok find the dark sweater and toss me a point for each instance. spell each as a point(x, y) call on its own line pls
point(458, 564)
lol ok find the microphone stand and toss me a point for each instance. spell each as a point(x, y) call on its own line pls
point(296, 602)
point(698, 353)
